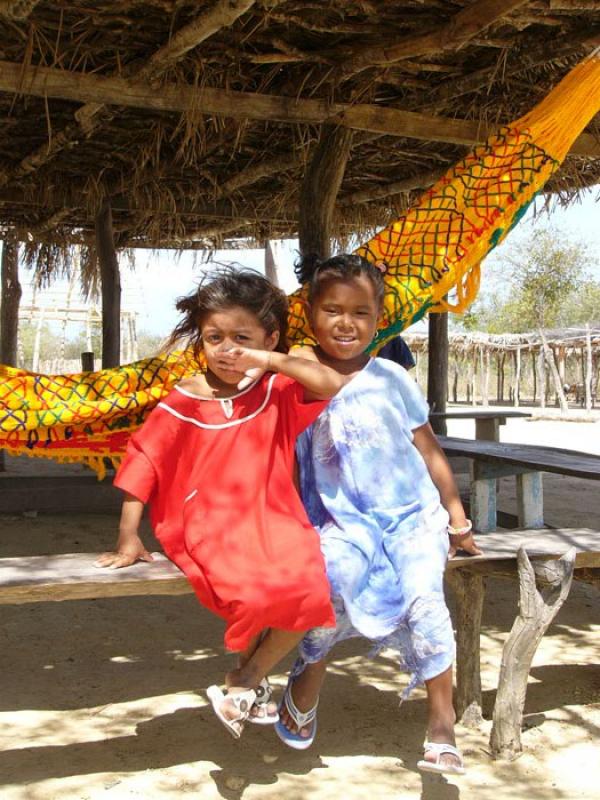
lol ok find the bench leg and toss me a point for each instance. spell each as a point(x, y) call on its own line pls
point(483, 503)
point(537, 609)
point(530, 500)
point(468, 589)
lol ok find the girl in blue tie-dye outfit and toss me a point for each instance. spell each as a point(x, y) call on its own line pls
point(379, 489)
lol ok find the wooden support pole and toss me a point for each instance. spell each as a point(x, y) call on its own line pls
point(111, 287)
point(517, 382)
point(437, 373)
point(320, 188)
point(468, 589)
point(9, 302)
point(537, 609)
point(588, 368)
point(10, 298)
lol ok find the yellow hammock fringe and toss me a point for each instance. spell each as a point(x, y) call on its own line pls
point(435, 247)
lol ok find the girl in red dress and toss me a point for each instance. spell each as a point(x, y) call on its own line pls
point(215, 462)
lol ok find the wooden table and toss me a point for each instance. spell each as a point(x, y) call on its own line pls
point(487, 422)
point(493, 460)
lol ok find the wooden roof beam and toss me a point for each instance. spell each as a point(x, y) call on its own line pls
point(460, 29)
point(421, 181)
point(51, 82)
point(223, 14)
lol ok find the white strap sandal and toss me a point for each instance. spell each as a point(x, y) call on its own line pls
point(301, 718)
point(264, 695)
point(242, 702)
point(439, 749)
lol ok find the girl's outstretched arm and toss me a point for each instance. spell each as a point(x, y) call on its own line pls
point(130, 547)
point(441, 474)
point(320, 382)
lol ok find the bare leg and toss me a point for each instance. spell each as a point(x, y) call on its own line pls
point(305, 693)
point(270, 650)
point(270, 708)
point(441, 716)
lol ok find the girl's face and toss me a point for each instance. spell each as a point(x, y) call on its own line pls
point(344, 318)
point(230, 328)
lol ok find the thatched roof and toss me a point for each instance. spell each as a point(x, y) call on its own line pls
point(181, 166)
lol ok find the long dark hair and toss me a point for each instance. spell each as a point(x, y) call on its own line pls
point(318, 273)
point(226, 287)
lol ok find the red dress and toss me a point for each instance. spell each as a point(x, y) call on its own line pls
point(218, 477)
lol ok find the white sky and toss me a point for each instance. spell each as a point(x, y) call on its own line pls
point(162, 276)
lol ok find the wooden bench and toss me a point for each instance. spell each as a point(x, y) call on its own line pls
point(517, 554)
point(493, 460)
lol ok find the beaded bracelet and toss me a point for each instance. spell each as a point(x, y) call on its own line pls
point(461, 531)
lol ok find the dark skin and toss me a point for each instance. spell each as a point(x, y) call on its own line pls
point(344, 319)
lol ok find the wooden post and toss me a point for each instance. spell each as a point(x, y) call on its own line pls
point(517, 383)
point(111, 287)
point(537, 609)
point(9, 302)
point(437, 374)
point(320, 188)
point(10, 298)
point(87, 362)
point(588, 368)
point(468, 589)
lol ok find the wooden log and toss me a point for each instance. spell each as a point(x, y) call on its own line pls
point(10, 299)
point(81, 87)
point(111, 287)
point(459, 29)
point(437, 372)
point(550, 360)
point(537, 609)
point(517, 378)
point(588, 368)
point(320, 188)
point(468, 589)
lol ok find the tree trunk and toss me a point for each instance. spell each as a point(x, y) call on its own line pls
point(320, 188)
point(111, 287)
point(437, 375)
point(549, 356)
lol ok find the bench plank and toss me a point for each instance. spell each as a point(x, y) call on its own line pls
point(533, 457)
point(73, 576)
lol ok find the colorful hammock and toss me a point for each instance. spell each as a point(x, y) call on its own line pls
point(436, 247)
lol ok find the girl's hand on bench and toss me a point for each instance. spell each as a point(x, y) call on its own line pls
point(125, 555)
point(464, 542)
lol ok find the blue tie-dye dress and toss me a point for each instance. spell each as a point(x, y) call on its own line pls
point(383, 530)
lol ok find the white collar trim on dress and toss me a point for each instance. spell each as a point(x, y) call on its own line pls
point(231, 396)
point(233, 422)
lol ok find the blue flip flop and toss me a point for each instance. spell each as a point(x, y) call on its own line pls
point(302, 719)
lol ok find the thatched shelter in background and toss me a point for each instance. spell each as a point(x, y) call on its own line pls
point(186, 124)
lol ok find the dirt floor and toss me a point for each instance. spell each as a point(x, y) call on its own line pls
point(104, 698)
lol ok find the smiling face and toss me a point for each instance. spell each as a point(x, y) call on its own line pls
point(227, 329)
point(344, 318)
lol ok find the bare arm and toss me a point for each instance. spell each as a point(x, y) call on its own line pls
point(319, 381)
point(130, 547)
point(441, 474)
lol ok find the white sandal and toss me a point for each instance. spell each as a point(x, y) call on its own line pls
point(440, 749)
point(301, 718)
point(242, 702)
point(264, 695)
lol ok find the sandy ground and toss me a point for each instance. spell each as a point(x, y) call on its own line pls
point(104, 699)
